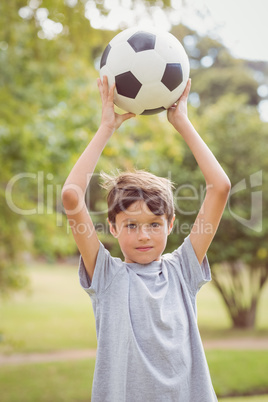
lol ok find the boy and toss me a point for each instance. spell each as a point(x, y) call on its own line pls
point(149, 347)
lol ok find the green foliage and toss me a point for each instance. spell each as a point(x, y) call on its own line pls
point(224, 75)
point(239, 140)
point(41, 82)
point(212, 83)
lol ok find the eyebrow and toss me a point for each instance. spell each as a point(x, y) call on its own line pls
point(152, 219)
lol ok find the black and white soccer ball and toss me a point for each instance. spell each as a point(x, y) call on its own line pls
point(149, 67)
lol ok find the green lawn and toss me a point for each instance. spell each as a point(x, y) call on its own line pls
point(259, 398)
point(231, 372)
point(48, 382)
point(57, 314)
point(238, 372)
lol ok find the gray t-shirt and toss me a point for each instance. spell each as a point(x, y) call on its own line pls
point(149, 346)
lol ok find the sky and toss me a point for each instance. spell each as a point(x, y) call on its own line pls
point(240, 24)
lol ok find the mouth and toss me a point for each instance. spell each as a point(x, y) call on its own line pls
point(144, 248)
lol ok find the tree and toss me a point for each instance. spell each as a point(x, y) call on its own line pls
point(227, 117)
point(240, 139)
point(239, 253)
point(214, 71)
point(41, 81)
point(49, 110)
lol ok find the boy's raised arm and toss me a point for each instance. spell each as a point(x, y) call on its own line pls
point(74, 189)
point(217, 183)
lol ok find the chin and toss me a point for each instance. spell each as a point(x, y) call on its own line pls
point(146, 260)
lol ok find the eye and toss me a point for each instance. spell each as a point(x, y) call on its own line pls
point(131, 226)
point(155, 225)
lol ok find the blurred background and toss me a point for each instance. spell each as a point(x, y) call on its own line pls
point(50, 109)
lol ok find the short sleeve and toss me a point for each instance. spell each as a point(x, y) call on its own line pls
point(194, 274)
point(105, 270)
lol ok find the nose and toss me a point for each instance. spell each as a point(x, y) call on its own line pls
point(143, 233)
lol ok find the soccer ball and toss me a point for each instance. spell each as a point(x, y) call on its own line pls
point(149, 67)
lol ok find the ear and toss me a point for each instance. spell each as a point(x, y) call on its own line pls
point(112, 229)
point(171, 225)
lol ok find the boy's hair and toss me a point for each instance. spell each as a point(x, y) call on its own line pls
point(128, 187)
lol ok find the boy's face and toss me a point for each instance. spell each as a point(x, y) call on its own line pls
point(142, 235)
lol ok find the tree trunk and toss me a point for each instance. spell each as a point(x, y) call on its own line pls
point(245, 318)
point(240, 287)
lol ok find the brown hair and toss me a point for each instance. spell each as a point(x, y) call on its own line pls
point(128, 187)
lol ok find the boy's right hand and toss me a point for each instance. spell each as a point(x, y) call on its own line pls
point(177, 113)
point(110, 118)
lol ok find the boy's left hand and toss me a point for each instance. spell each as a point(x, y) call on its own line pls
point(109, 118)
point(177, 113)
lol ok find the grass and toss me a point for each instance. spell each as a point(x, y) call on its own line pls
point(240, 372)
point(232, 372)
point(258, 398)
point(62, 381)
point(57, 314)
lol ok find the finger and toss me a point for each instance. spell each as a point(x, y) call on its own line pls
point(184, 95)
point(120, 118)
point(111, 93)
point(100, 86)
point(187, 89)
point(105, 86)
point(99, 83)
point(127, 116)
